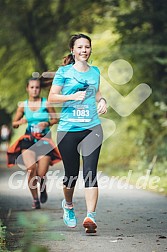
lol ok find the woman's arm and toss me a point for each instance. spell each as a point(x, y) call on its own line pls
point(55, 96)
point(102, 104)
point(53, 117)
point(18, 118)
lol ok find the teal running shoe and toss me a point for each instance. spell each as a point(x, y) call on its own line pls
point(89, 223)
point(69, 216)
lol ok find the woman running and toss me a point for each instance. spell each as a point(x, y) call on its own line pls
point(35, 148)
point(76, 85)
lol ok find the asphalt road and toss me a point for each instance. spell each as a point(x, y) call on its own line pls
point(129, 219)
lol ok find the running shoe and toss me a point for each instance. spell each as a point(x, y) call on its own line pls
point(89, 223)
point(43, 195)
point(36, 204)
point(69, 216)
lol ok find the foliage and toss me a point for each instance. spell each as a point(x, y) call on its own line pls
point(2, 236)
point(35, 226)
point(34, 37)
point(141, 136)
point(142, 42)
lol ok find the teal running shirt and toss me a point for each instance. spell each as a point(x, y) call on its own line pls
point(35, 117)
point(78, 115)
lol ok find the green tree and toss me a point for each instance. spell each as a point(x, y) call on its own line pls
point(34, 37)
point(142, 30)
point(143, 34)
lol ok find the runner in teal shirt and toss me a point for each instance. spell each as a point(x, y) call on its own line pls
point(76, 87)
point(35, 149)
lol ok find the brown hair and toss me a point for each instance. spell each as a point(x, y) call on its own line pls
point(33, 79)
point(69, 59)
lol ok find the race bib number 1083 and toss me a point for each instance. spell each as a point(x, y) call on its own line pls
point(80, 113)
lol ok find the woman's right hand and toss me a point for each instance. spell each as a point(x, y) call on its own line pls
point(78, 96)
point(16, 124)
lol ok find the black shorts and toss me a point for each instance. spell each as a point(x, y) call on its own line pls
point(40, 147)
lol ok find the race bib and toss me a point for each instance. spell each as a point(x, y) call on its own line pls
point(80, 113)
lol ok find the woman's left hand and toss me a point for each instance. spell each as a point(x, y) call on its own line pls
point(102, 107)
point(43, 125)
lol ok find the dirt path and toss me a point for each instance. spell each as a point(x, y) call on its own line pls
point(129, 220)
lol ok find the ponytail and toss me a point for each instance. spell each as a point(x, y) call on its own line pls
point(69, 59)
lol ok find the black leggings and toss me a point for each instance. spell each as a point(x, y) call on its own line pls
point(88, 142)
